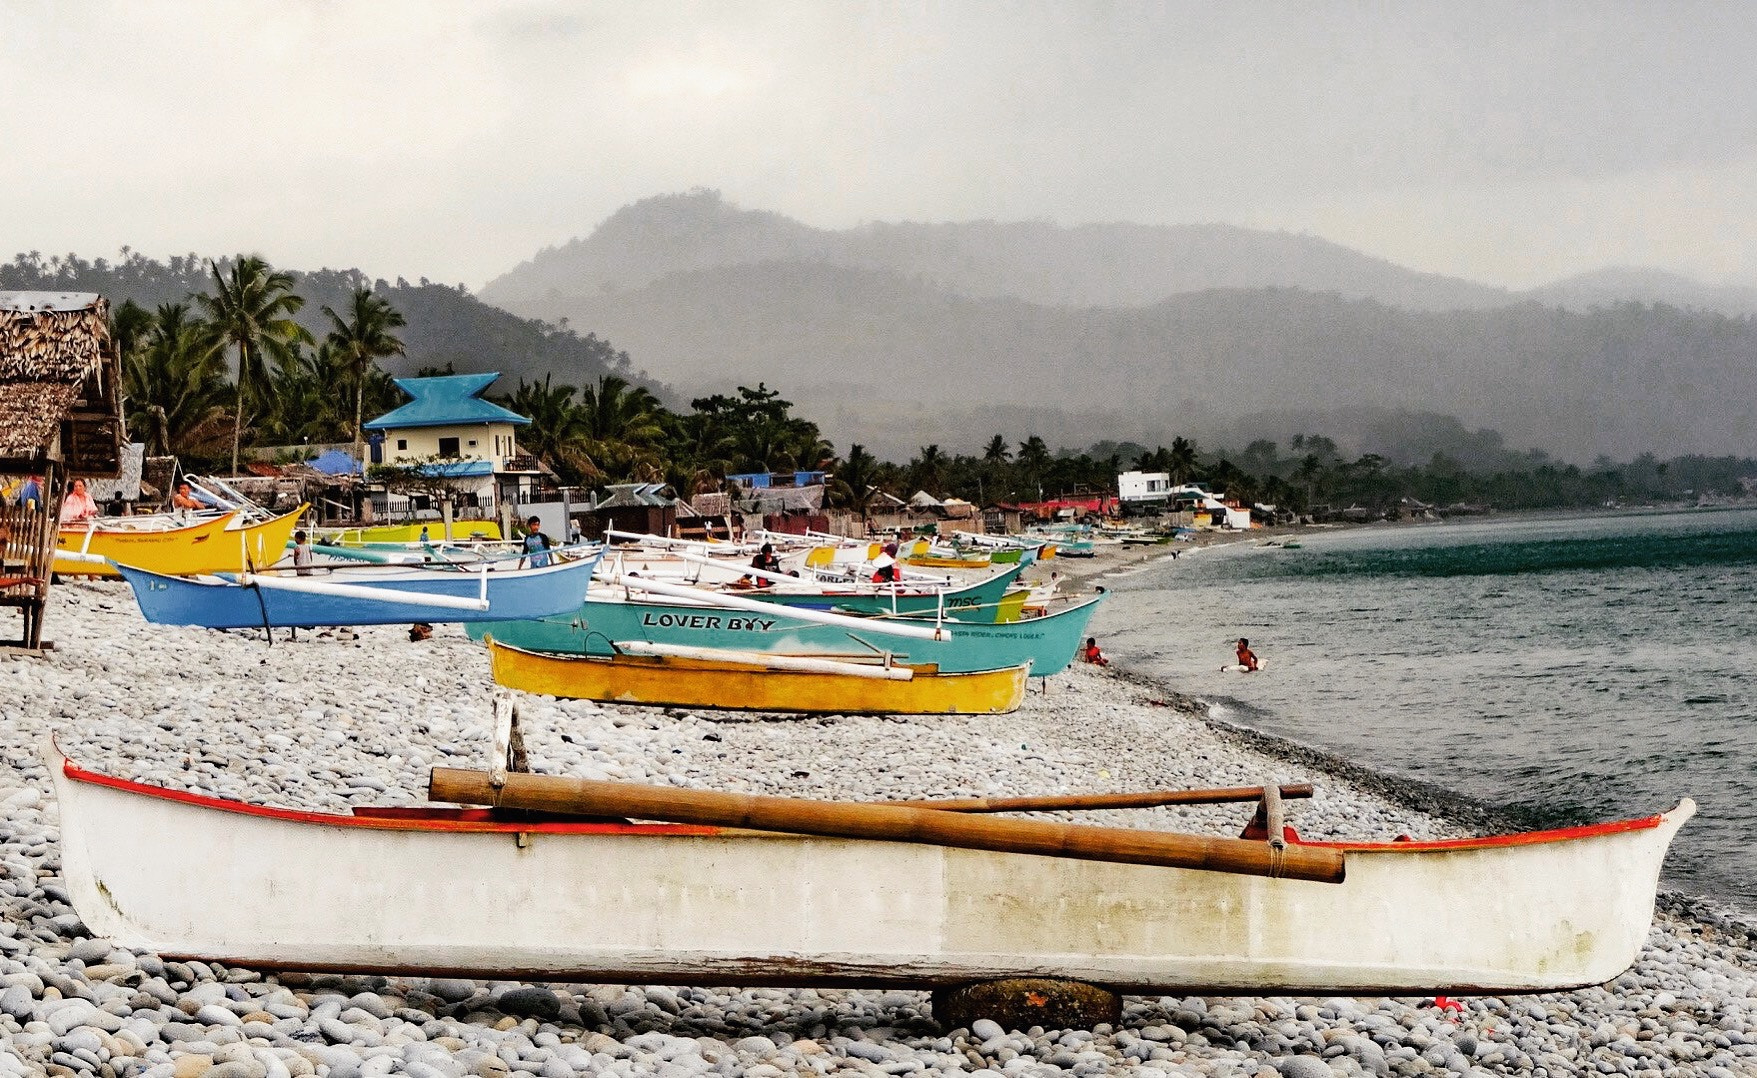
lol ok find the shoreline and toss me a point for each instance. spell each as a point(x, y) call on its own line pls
point(1419, 795)
point(337, 720)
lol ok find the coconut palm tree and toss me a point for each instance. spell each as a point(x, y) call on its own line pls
point(855, 480)
point(1182, 461)
point(1034, 460)
point(360, 340)
point(997, 453)
point(557, 432)
point(174, 380)
point(252, 310)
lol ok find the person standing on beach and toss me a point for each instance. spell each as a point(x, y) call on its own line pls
point(301, 554)
point(536, 545)
point(1246, 657)
point(30, 493)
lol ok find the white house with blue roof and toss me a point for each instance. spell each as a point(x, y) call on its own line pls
point(448, 429)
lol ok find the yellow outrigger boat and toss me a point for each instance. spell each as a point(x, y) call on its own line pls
point(922, 556)
point(210, 546)
point(411, 533)
point(672, 676)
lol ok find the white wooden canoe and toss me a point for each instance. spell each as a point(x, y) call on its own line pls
point(460, 892)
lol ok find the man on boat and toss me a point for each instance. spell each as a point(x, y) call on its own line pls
point(1246, 657)
point(185, 498)
point(536, 545)
point(767, 562)
point(886, 570)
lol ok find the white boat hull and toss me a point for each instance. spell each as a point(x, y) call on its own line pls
point(586, 902)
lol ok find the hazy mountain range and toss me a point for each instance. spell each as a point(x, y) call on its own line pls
point(905, 334)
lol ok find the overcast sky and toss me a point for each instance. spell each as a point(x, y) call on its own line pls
point(1511, 143)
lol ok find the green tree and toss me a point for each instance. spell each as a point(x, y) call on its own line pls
point(557, 432)
point(928, 470)
point(621, 425)
point(855, 481)
point(174, 382)
point(360, 340)
point(1181, 464)
point(1034, 460)
point(252, 310)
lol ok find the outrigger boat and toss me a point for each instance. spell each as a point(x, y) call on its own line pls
point(222, 544)
point(737, 889)
point(629, 608)
point(982, 601)
point(366, 595)
point(662, 676)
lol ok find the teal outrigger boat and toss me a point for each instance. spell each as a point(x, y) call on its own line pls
point(1048, 642)
point(978, 602)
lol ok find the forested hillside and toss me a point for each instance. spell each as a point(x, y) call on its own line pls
point(900, 356)
point(446, 324)
point(1105, 265)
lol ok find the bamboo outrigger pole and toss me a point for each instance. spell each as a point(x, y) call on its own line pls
point(892, 823)
point(1068, 802)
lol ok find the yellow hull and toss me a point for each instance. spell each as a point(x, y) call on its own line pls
point(411, 533)
point(732, 686)
point(207, 547)
point(929, 561)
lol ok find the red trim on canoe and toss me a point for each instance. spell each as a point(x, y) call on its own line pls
point(423, 818)
point(1524, 838)
point(417, 818)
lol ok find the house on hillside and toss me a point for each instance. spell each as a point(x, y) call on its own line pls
point(447, 433)
point(60, 419)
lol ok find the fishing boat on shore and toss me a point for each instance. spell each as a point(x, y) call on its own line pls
point(367, 594)
point(661, 676)
point(739, 889)
point(631, 608)
point(983, 600)
point(219, 544)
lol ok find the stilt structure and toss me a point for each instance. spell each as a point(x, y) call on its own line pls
point(60, 416)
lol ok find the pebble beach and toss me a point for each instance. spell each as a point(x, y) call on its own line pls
point(341, 718)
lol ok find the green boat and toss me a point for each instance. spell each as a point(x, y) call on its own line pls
point(1048, 643)
point(978, 602)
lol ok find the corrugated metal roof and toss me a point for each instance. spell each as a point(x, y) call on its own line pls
point(634, 494)
point(48, 301)
point(445, 401)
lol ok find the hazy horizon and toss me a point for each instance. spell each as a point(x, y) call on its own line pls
point(1501, 144)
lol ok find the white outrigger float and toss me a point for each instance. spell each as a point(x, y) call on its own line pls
point(494, 892)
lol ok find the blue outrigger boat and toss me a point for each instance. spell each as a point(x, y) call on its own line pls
point(1048, 642)
point(389, 595)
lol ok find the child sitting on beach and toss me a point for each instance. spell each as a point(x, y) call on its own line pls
point(1246, 657)
point(1091, 654)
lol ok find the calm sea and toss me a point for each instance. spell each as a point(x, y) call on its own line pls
point(1571, 669)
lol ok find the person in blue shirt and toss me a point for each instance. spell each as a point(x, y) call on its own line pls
point(31, 493)
point(536, 544)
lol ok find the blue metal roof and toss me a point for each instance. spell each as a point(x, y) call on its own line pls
point(458, 470)
point(335, 462)
point(445, 401)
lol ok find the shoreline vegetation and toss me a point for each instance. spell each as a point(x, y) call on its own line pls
point(351, 718)
point(223, 354)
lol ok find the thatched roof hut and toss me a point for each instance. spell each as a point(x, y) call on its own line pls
point(60, 416)
point(60, 392)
